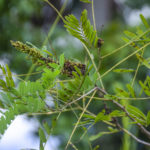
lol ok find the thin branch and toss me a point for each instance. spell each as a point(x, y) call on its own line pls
point(53, 112)
point(86, 131)
point(93, 15)
point(59, 14)
point(136, 71)
point(135, 138)
point(120, 62)
point(127, 113)
point(90, 113)
point(114, 51)
point(99, 76)
point(56, 20)
point(132, 98)
point(84, 110)
point(73, 146)
point(104, 99)
point(68, 104)
point(126, 131)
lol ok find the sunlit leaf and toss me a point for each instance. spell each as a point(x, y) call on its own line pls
point(122, 92)
point(125, 39)
point(111, 97)
point(137, 114)
point(130, 34)
point(47, 52)
point(102, 116)
point(131, 90)
point(117, 113)
point(88, 116)
point(62, 60)
point(145, 88)
point(144, 61)
point(86, 1)
point(94, 137)
point(123, 70)
point(144, 21)
point(96, 147)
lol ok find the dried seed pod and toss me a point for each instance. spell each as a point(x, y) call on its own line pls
point(69, 67)
point(100, 42)
point(39, 59)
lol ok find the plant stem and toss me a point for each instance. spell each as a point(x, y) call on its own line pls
point(135, 138)
point(50, 30)
point(127, 113)
point(118, 49)
point(93, 15)
point(117, 64)
point(85, 108)
point(138, 66)
point(99, 76)
point(57, 11)
point(55, 22)
point(29, 72)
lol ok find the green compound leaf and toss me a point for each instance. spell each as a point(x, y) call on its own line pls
point(144, 21)
point(8, 77)
point(137, 114)
point(12, 84)
point(82, 30)
point(5, 120)
point(3, 84)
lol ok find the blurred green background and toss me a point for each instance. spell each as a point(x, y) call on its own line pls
point(30, 20)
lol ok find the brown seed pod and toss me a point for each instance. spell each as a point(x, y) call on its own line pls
point(40, 60)
point(100, 42)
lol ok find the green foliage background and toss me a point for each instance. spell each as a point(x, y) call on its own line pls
point(19, 26)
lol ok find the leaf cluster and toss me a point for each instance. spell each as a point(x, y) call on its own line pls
point(76, 90)
point(82, 30)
